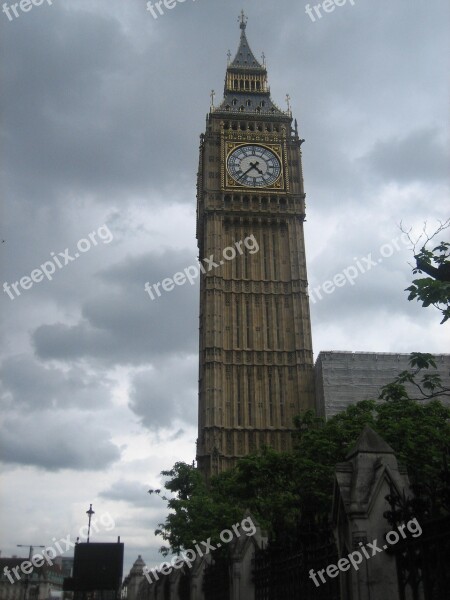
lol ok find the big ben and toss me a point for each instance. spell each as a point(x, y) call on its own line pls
point(256, 360)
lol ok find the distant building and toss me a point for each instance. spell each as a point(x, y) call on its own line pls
point(133, 580)
point(43, 583)
point(66, 564)
point(345, 378)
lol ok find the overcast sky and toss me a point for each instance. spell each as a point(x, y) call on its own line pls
point(102, 109)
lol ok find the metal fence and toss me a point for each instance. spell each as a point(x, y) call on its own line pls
point(216, 582)
point(284, 575)
point(423, 563)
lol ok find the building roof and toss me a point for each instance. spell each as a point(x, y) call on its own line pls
point(244, 58)
point(252, 100)
point(369, 442)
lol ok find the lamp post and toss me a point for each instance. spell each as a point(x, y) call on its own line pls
point(89, 512)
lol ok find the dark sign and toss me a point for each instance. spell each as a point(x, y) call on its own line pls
point(96, 567)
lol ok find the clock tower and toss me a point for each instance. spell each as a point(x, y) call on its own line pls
point(256, 360)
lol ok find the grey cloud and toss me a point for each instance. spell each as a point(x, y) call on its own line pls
point(34, 387)
point(124, 325)
point(87, 125)
point(44, 440)
point(157, 402)
point(132, 492)
point(419, 156)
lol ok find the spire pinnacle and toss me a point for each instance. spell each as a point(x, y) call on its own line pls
point(288, 102)
point(243, 20)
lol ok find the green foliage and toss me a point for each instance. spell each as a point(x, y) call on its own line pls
point(195, 513)
point(318, 446)
point(429, 386)
point(435, 289)
point(263, 483)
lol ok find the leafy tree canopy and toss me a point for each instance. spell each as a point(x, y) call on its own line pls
point(433, 290)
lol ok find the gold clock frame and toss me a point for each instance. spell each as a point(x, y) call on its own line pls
point(229, 183)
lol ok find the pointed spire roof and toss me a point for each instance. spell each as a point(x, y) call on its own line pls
point(369, 442)
point(138, 566)
point(246, 89)
point(244, 57)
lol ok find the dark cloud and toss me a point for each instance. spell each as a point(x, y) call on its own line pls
point(123, 325)
point(134, 493)
point(419, 156)
point(45, 440)
point(31, 386)
point(89, 111)
point(155, 400)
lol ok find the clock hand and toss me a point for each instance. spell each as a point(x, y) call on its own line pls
point(255, 167)
point(247, 171)
point(252, 166)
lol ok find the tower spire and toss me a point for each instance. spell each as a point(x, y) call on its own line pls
point(246, 87)
point(244, 56)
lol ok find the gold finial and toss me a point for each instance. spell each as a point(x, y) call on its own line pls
point(263, 57)
point(243, 20)
point(213, 93)
point(229, 57)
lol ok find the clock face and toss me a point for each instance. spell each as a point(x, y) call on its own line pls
point(254, 166)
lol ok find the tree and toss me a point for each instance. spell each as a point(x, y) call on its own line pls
point(435, 262)
point(429, 386)
point(196, 514)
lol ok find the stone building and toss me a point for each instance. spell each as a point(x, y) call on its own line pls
point(370, 473)
point(189, 580)
point(344, 378)
point(133, 580)
point(43, 583)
